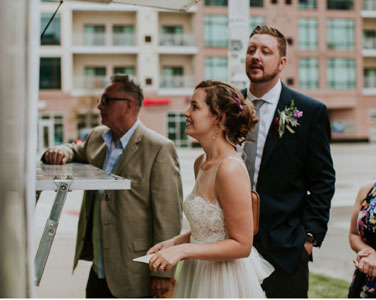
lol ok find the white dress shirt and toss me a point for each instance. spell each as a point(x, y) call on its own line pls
point(267, 111)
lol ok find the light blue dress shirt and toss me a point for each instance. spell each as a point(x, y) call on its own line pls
point(112, 157)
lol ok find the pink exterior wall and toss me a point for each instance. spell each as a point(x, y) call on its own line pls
point(349, 106)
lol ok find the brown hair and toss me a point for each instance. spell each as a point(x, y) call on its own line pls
point(129, 86)
point(264, 29)
point(240, 116)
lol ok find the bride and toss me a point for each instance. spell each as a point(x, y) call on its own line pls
point(219, 260)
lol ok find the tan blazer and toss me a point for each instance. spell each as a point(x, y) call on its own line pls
point(136, 219)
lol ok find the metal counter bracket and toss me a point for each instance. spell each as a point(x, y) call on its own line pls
point(64, 178)
point(50, 228)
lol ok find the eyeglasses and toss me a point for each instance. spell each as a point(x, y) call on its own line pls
point(105, 100)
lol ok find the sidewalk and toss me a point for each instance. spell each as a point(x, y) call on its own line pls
point(354, 164)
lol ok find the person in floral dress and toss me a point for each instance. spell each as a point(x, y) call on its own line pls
point(362, 237)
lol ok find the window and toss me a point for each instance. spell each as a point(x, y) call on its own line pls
point(340, 4)
point(341, 73)
point(307, 4)
point(308, 73)
point(172, 29)
point(124, 70)
point(369, 39)
point(216, 2)
point(369, 5)
point(52, 34)
point(274, 1)
point(216, 68)
point(172, 77)
point(288, 2)
point(58, 127)
point(370, 78)
point(95, 77)
point(215, 31)
point(254, 21)
point(86, 121)
point(307, 34)
point(176, 129)
point(50, 73)
point(172, 35)
point(256, 3)
point(94, 35)
point(340, 34)
point(123, 35)
point(95, 71)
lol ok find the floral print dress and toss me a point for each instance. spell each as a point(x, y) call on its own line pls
point(362, 285)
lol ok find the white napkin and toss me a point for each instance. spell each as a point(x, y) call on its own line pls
point(144, 259)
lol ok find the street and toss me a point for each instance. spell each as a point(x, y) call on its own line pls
point(354, 164)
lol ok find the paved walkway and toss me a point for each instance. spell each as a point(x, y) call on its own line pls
point(354, 164)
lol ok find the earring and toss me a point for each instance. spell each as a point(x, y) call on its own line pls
point(214, 136)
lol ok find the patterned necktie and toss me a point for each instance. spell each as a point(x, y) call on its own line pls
point(250, 146)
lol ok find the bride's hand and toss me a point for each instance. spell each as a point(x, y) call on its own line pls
point(162, 245)
point(165, 259)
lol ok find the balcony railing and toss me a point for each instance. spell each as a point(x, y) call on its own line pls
point(98, 39)
point(102, 39)
point(369, 43)
point(370, 82)
point(121, 39)
point(177, 40)
point(90, 82)
point(177, 82)
point(369, 5)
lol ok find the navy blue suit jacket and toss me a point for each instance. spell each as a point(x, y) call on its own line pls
point(295, 183)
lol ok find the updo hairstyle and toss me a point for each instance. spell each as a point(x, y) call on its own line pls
point(239, 116)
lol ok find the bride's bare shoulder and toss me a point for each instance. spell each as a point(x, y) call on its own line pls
point(231, 168)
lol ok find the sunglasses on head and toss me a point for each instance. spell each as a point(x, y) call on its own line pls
point(105, 100)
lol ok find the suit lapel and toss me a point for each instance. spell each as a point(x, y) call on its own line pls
point(272, 139)
point(131, 148)
point(100, 154)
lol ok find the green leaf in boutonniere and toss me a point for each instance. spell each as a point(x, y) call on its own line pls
point(288, 119)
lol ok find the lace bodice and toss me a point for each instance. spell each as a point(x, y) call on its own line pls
point(206, 220)
point(203, 210)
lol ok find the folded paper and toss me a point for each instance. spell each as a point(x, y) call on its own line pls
point(144, 259)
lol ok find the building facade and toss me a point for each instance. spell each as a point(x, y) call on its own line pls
point(331, 57)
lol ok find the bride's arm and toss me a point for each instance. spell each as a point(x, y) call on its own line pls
point(176, 240)
point(182, 238)
point(233, 189)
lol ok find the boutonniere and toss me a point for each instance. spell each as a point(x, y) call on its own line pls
point(287, 119)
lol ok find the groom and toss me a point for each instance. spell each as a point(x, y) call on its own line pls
point(290, 166)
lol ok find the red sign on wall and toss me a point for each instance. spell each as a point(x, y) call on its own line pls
point(150, 102)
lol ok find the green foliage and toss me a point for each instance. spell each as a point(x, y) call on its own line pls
point(321, 286)
point(288, 118)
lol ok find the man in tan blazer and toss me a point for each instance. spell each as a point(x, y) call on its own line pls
point(117, 226)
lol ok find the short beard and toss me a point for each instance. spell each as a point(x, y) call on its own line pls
point(265, 78)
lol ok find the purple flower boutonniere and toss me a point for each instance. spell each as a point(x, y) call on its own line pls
point(287, 119)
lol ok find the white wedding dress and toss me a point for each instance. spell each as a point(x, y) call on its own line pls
point(237, 278)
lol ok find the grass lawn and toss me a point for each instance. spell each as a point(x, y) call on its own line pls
point(321, 286)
